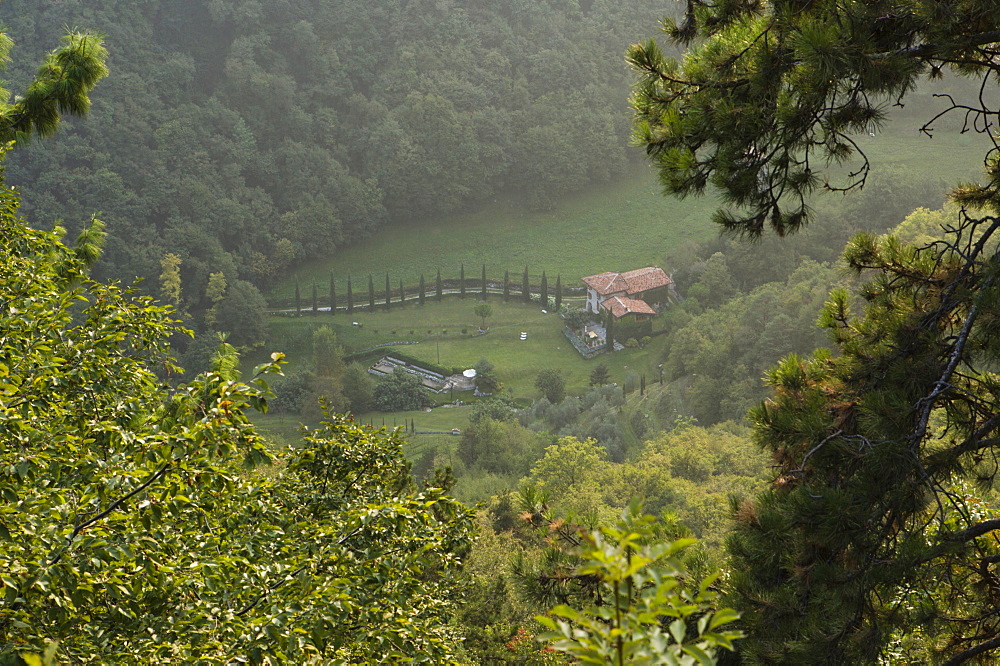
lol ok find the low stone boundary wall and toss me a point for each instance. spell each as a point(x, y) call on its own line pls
point(585, 351)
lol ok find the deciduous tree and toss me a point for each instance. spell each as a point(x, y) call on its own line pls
point(134, 525)
point(484, 311)
point(242, 313)
point(170, 279)
point(399, 392)
point(640, 613)
point(215, 291)
point(552, 385)
point(486, 377)
point(359, 388)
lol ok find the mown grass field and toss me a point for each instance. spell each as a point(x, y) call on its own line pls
point(437, 330)
point(617, 226)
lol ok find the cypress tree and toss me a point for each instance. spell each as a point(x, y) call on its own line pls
point(544, 296)
point(388, 292)
point(371, 293)
point(558, 293)
point(402, 292)
point(423, 293)
point(642, 385)
point(350, 296)
point(315, 299)
point(461, 282)
point(525, 287)
point(333, 296)
point(440, 286)
point(506, 286)
point(484, 283)
point(609, 328)
point(298, 302)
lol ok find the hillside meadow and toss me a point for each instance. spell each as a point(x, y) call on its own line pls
point(435, 333)
point(618, 226)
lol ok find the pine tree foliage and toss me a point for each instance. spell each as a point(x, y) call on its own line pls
point(770, 94)
point(62, 85)
point(871, 527)
point(871, 543)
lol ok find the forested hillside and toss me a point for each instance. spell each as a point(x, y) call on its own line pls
point(244, 137)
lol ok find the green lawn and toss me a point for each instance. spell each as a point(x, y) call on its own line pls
point(517, 362)
point(948, 156)
point(618, 226)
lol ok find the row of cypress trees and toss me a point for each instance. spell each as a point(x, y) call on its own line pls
point(525, 292)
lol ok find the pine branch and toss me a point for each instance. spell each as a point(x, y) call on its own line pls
point(965, 656)
point(977, 530)
point(928, 50)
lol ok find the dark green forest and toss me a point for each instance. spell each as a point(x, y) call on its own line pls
point(247, 137)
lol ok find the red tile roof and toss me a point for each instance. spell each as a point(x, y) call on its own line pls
point(621, 306)
point(632, 282)
point(606, 283)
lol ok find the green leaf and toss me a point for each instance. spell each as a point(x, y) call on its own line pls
point(723, 616)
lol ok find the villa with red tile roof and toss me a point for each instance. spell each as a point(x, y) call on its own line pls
point(633, 294)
